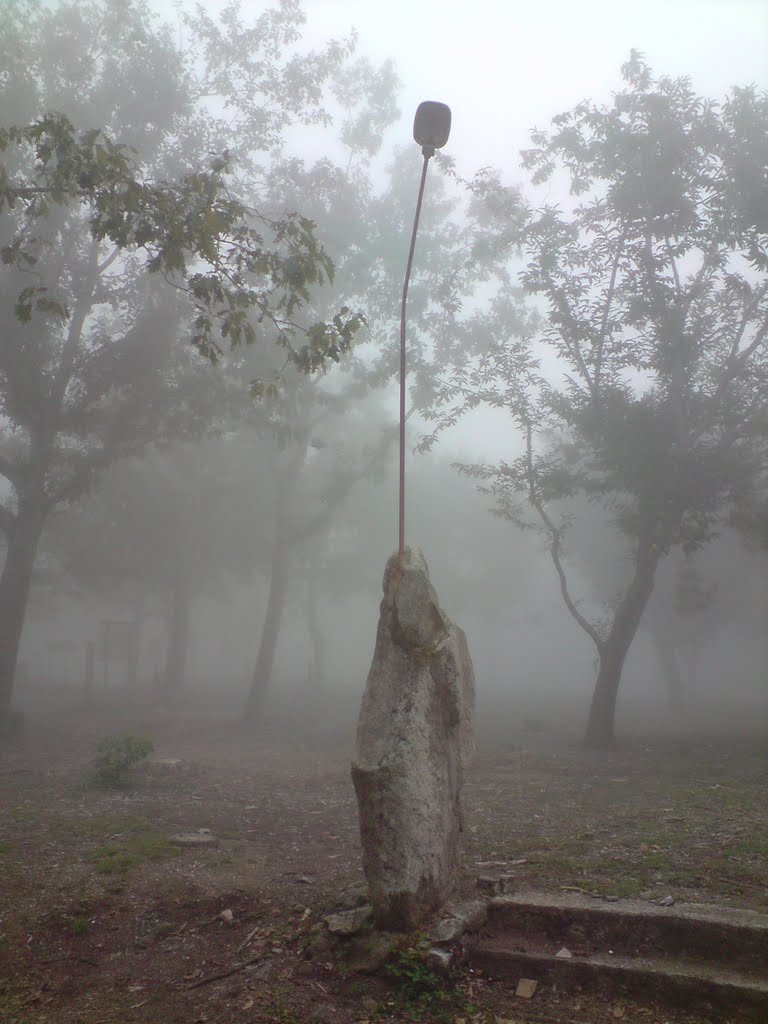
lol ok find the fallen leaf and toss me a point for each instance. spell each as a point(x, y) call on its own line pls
point(618, 1011)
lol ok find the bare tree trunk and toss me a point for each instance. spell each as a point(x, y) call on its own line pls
point(613, 651)
point(316, 635)
point(668, 662)
point(15, 583)
point(691, 662)
point(602, 711)
point(132, 673)
point(283, 546)
point(178, 637)
point(270, 633)
point(90, 671)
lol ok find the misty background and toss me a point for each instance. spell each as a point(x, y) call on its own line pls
point(244, 543)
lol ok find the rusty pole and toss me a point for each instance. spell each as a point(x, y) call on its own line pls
point(428, 151)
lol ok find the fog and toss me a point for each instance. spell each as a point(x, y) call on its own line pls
point(199, 543)
point(529, 656)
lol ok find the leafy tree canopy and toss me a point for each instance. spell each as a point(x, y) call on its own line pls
point(102, 111)
point(643, 387)
point(134, 173)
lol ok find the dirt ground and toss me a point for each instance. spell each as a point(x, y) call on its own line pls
point(104, 919)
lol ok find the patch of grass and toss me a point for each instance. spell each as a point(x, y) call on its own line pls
point(622, 886)
point(10, 862)
point(277, 1012)
point(25, 814)
point(163, 929)
point(134, 841)
point(112, 826)
point(116, 757)
point(753, 847)
point(280, 1015)
point(15, 1003)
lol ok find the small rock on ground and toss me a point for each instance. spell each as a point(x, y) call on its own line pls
point(203, 837)
point(448, 930)
point(439, 959)
point(464, 917)
point(349, 922)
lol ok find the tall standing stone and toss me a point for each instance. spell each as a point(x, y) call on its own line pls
point(414, 738)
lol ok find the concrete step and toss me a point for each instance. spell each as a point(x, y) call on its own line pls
point(709, 959)
point(632, 928)
point(723, 995)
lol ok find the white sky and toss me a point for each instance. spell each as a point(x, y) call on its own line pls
point(504, 66)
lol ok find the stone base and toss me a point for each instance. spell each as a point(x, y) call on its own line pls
point(414, 738)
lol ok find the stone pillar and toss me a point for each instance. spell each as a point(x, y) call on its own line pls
point(414, 739)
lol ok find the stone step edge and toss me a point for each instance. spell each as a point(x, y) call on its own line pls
point(690, 913)
point(693, 932)
point(653, 966)
point(744, 997)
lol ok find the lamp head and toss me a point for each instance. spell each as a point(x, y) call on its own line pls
point(432, 125)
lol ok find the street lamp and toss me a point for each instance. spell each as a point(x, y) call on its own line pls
point(431, 128)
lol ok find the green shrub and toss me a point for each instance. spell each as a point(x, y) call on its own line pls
point(116, 757)
point(421, 990)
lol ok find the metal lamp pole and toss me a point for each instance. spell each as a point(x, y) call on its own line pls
point(431, 128)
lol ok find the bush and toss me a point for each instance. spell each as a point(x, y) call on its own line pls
point(421, 990)
point(116, 757)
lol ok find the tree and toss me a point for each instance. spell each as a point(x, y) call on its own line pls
point(332, 449)
point(644, 391)
point(173, 525)
point(324, 422)
point(89, 371)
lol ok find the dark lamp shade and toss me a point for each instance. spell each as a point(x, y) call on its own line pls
point(432, 124)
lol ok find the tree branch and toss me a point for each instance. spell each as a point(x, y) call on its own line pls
point(107, 263)
point(554, 547)
point(321, 520)
point(10, 470)
point(695, 289)
point(572, 344)
point(7, 519)
point(675, 274)
point(81, 477)
point(737, 360)
point(70, 347)
point(607, 313)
